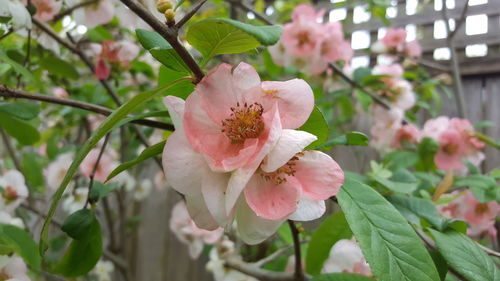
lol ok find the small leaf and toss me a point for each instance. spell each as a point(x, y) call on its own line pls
point(316, 125)
point(32, 165)
point(216, 36)
point(77, 225)
point(21, 130)
point(413, 209)
point(146, 154)
point(22, 243)
point(150, 40)
point(330, 231)
point(83, 254)
point(181, 90)
point(465, 256)
point(21, 110)
point(20, 69)
point(100, 190)
point(389, 244)
point(352, 138)
point(361, 73)
point(59, 67)
point(341, 277)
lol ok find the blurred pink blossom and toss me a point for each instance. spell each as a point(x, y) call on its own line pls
point(346, 256)
point(13, 268)
point(46, 9)
point(394, 38)
point(104, 168)
point(14, 190)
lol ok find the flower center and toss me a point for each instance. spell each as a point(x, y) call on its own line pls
point(280, 175)
point(450, 148)
point(481, 208)
point(10, 194)
point(245, 122)
point(303, 38)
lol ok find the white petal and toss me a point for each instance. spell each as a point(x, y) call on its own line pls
point(290, 143)
point(308, 209)
point(199, 212)
point(175, 108)
point(214, 187)
point(251, 228)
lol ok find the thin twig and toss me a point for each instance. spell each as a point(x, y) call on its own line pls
point(94, 170)
point(247, 8)
point(461, 20)
point(299, 273)
point(189, 15)
point(258, 273)
point(489, 251)
point(18, 94)
point(10, 150)
point(9, 32)
point(170, 34)
point(71, 9)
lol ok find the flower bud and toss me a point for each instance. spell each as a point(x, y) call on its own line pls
point(170, 15)
point(163, 5)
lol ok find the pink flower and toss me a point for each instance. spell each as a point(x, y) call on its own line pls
point(302, 38)
point(407, 133)
point(433, 128)
point(450, 151)
point(96, 14)
point(112, 52)
point(104, 168)
point(231, 115)
point(346, 256)
point(398, 91)
point(55, 172)
point(13, 269)
point(188, 233)
point(46, 9)
point(395, 70)
point(394, 38)
point(14, 190)
point(102, 70)
point(413, 49)
point(306, 12)
point(60, 92)
point(480, 216)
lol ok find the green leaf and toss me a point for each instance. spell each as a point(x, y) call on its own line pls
point(352, 138)
point(426, 150)
point(21, 130)
point(413, 209)
point(161, 50)
point(330, 231)
point(99, 34)
point(20, 69)
point(21, 110)
point(146, 154)
point(22, 243)
point(465, 256)
point(400, 159)
point(440, 263)
point(100, 190)
point(82, 254)
point(181, 90)
point(159, 113)
point(389, 244)
point(401, 187)
point(32, 165)
point(361, 73)
point(216, 36)
point(316, 125)
point(341, 277)
point(59, 67)
point(106, 126)
point(77, 225)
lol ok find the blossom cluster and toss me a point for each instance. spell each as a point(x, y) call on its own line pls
point(309, 44)
point(13, 192)
point(395, 43)
point(236, 154)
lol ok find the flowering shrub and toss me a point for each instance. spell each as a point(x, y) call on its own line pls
point(109, 107)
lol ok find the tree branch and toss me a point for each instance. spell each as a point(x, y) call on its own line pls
point(94, 170)
point(245, 7)
point(170, 34)
point(71, 9)
point(460, 21)
point(299, 273)
point(258, 273)
point(18, 94)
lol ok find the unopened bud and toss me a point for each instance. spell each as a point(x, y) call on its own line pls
point(163, 5)
point(170, 15)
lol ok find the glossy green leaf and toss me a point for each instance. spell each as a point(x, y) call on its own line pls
point(341, 277)
point(316, 125)
point(352, 138)
point(216, 36)
point(181, 90)
point(21, 130)
point(105, 127)
point(146, 154)
point(100, 190)
point(21, 110)
point(82, 254)
point(465, 256)
point(20, 69)
point(59, 67)
point(331, 230)
point(77, 225)
point(389, 244)
point(32, 165)
point(22, 243)
point(413, 208)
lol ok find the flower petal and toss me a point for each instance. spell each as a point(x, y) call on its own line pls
point(183, 167)
point(295, 100)
point(245, 78)
point(251, 228)
point(213, 188)
point(199, 212)
point(290, 143)
point(308, 209)
point(321, 177)
point(175, 108)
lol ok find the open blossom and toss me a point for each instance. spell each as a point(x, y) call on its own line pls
point(75, 200)
point(456, 142)
point(407, 134)
point(385, 127)
point(55, 172)
point(394, 42)
point(46, 9)
point(112, 52)
point(92, 15)
point(104, 270)
point(394, 38)
point(413, 49)
point(398, 91)
point(105, 166)
point(13, 268)
point(220, 153)
point(309, 44)
point(480, 216)
point(346, 256)
point(188, 233)
point(16, 10)
point(13, 190)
